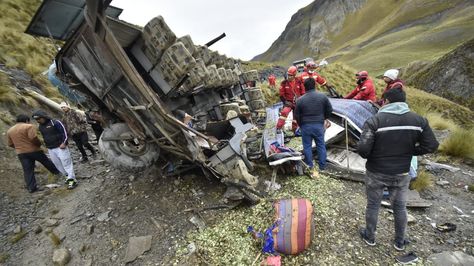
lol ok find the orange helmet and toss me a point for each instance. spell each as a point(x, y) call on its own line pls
point(292, 70)
point(362, 74)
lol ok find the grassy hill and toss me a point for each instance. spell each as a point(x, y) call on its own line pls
point(378, 35)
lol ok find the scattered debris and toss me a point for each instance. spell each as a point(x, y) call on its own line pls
point(90, 229)
point(61, 257)
point(131, 178)
point(442, 183)
point(460, 212)
point(17, 229)
point(75, 220)
point(37, 229)
point(51, 186)
point(50, 222)
point(435, 167)
point(198, 222)
point(271, 187)
point(451, 258)
point(446, 227)
point(103, 216)
point(191, 249)
point(136, 247)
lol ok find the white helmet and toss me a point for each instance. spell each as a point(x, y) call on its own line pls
point(391, 74)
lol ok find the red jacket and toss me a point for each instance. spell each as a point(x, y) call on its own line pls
point(271, 80)
point(290, 91)
point(364, 91)
point(319, 80)
point(392, 85)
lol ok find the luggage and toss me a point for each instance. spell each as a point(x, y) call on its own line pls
point(295, 228)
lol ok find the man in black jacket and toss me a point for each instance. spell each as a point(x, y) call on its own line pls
point(388, 142)
point(56, 140)
point(311, 112)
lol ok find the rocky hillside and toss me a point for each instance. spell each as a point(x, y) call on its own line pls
point(451, 77)
point(372, 34)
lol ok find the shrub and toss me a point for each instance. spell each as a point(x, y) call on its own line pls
point(437, 121)
point(422, 181)
point(459, 144)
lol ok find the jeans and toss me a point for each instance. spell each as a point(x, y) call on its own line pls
point(310, 132)
point(82, 140)
point(28, 161)
point(397, 186)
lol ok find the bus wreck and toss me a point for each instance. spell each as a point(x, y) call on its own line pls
point(139, 78)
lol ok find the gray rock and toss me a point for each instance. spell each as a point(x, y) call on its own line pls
point(51, 222)
point(90, 229)
point(37, 229)
point(131, 178)
point(199, 223)
point(136, 247)
point(411, 219)
point(103, 216)
point(433, 167)
point(61, 257)
point(88, 262)
point(451, 258)
point(17, 229)
point(442, 183)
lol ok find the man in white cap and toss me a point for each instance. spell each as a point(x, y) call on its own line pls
point(77, 127)
point(393, 82)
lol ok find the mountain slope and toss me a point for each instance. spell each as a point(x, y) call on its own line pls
point(372, 34)
point(451, 77)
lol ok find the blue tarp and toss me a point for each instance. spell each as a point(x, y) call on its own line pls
point(63, 88)
point(356, 112)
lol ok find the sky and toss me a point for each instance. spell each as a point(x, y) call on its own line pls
point(250, 26)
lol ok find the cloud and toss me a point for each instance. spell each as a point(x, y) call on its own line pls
point(250, 26)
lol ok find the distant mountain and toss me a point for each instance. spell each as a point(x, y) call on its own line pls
point(373, 34)
point(452, 76)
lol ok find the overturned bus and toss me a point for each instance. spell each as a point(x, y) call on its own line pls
point(138, 78)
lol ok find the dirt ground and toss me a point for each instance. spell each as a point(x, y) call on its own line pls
point(96, 220)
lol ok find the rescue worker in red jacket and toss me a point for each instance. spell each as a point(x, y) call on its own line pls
point(290, 89)
point(310, 72)
point(393, 82)
point(364, 90)
point(271, 81)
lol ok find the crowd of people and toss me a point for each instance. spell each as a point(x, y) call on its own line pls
point(56, 134)
point(389, 140)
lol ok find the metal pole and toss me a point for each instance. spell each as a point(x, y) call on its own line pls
point(347, 145)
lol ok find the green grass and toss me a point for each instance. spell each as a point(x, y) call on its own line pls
point(4, 257)
point(423, 181)
point(437, 121)
point(459, 144)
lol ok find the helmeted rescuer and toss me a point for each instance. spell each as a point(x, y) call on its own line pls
point(272, 81)
point(364, 90)
point(310, 72)
point(290, 89)
point(388, 141)
point(393, 82)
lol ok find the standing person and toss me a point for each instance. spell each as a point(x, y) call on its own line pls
point(311, 112)
point(22, 137)
point(290, 89)
point(93, 118)
point(56, 140)
point(393, 82)
point(388, 142)
point(77, 128)
point(365, 90)
point(272, 81)
point(310, 72)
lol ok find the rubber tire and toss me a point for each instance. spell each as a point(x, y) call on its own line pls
point(117, 158)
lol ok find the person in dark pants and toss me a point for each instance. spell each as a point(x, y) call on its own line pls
point(93, 119)
point(23, 138)
point(77, 127)
point(388, 141)
point(311, 113)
